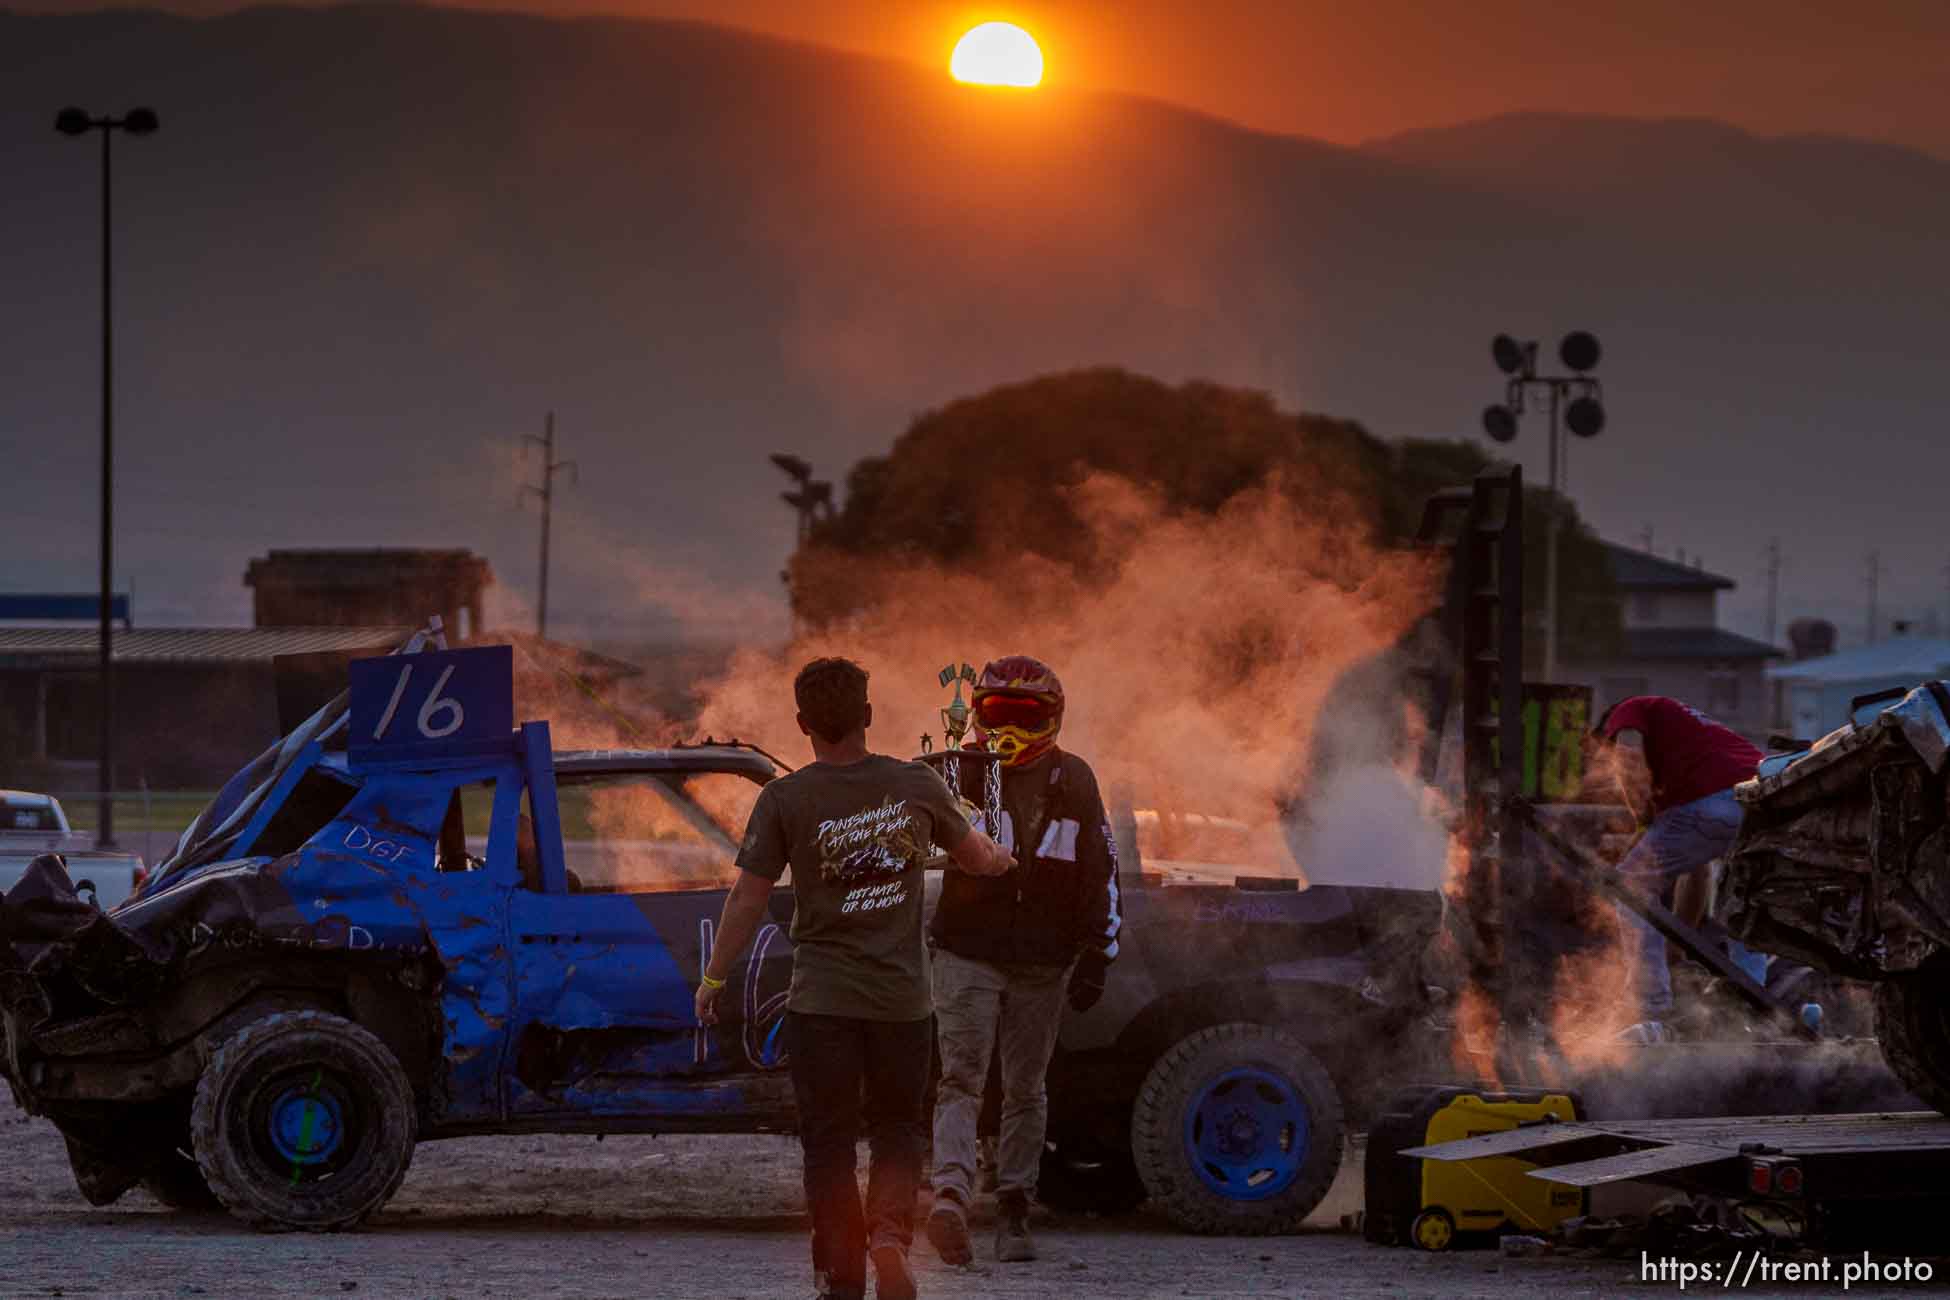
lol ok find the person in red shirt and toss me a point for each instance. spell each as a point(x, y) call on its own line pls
point(1676, 768)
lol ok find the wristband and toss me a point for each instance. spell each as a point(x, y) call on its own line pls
point(709, 983)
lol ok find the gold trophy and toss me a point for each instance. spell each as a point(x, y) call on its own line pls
point(955, 719)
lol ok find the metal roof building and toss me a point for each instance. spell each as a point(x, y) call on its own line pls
point(22, 647)
point(194, 703)
point(1815, 693)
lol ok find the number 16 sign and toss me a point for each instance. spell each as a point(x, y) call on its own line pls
point(432, 705)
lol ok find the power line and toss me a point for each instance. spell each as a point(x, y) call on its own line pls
point(546, 493)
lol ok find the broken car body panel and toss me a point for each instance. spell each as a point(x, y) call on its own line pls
point(1843, 859)
point(549, 1005)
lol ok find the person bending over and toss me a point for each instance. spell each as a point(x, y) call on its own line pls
point(1678, 766)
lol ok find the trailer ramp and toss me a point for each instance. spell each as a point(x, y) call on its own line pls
point(1874, 1156)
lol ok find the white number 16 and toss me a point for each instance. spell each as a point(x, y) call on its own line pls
point(435, 704)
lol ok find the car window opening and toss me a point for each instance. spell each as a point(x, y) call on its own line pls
point(463, 831)
point(312, 804)
point(638, 833)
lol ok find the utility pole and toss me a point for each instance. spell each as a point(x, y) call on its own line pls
point(1773, 585)
point(1875, 578)
point(1645, 539)
point(546, 492)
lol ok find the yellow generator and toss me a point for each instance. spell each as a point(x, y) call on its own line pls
point(1439, 1204)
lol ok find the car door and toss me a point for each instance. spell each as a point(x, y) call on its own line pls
point(607, 959)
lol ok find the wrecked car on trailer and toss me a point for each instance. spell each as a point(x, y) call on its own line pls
point(379, 934)
point(1843, 862)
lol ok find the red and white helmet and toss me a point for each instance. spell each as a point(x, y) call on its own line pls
point(1018, 704)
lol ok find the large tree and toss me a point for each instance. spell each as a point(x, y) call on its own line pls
point(998, 479)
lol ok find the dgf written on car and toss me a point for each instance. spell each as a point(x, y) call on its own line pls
point(361, 840)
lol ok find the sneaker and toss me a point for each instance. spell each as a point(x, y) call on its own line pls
point(1013, 1244)
point(894, 1280)
point(1647, 1031)
point(948, 1232)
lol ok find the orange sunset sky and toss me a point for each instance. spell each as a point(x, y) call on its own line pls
point(1350, 70)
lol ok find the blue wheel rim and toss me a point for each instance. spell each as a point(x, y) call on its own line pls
point(307, 1123)
point(1246, 1133)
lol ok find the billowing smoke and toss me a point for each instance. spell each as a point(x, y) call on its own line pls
point(1372, 825)
point(1197, 660)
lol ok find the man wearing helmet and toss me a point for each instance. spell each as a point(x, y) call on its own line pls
point(1008, 948)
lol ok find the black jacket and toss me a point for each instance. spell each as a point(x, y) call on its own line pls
point(1060, 899)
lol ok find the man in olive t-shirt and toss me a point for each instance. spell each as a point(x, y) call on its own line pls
point(857, 837)
point(855, 827)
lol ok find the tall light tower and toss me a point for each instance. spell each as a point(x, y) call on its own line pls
point(1582, 400)
point(811, 499)
point(76, 122)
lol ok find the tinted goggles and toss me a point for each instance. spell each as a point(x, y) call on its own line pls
point(1027, 711)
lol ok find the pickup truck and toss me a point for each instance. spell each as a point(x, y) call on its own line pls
point(33, 824)
point(412, 920)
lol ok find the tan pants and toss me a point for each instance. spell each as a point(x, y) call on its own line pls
point(977, 1005)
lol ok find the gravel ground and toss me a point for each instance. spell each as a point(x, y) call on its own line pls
point(685, 1218)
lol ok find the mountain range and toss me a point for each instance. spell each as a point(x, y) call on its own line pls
point(372, 245)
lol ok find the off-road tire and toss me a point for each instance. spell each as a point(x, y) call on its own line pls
point(1913, 1029)
point(177, 1183)
point(1076, 1186)
point(228, 1121)
point(1159, 1124)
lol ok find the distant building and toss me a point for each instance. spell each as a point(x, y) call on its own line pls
point(193, 705)
point(1815, 693)
point(1674, 645)
point(369, 588)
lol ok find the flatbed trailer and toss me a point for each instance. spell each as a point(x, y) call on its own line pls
point(1814, 1159)
point(1867, 1161)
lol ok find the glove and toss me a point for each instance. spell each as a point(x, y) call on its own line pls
point(1087, 982)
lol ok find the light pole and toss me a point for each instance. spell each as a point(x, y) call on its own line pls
point(811, 499)
point(137, 121)
point(1584, 415)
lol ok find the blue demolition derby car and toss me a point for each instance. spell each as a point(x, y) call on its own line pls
point(412, 919)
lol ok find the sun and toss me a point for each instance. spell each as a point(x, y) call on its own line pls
point(997, 54)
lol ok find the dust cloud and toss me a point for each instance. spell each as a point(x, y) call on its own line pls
point(1196, 660)
point(1372, 825)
